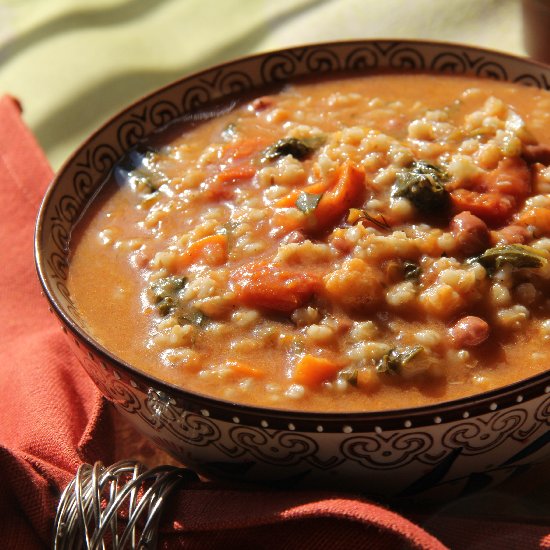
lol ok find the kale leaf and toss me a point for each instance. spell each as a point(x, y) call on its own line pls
point(516, 255)
point(393, 361)
point(423, 185)
point(299, 148)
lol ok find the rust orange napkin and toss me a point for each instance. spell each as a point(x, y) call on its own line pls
point(52, 418)
point(49, 411)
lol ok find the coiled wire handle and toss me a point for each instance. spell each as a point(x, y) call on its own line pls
point(93, 505)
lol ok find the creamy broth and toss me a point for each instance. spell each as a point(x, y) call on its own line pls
point(354, 244)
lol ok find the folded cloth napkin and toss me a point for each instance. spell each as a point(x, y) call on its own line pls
point(52, 419)
point(50, 414)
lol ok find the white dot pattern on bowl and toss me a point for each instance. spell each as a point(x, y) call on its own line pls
point(319, 428)
point(205, 412)
point(236, 419)
point(378, 429)
point(133, 384)
point(407, 423)
point(519, 398)
point(347, 429)
point(437, 420)
point(291, 427)
point(493, 406)
point(465, 414)
point(264, 423)
point(116, 375)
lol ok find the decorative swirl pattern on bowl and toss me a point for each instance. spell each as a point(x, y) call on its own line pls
point(379, 451)
point(163, 113)
point(281, 448)
point(104, 156)
point(361, 59)
point(322, 60)
point(406, 58)
point(480, 434)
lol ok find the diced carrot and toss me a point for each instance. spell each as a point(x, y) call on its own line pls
point(269, 286)
point(236, 173)
point(244, 370)
point(312, 371)
point(243, 149)
point(284, 222)
point(537, 217)
point(236, 159)
point(348, 191)
point(368, 380)
point(493, 208)
point(219, 188)
point(211, 250)
point(288, 201)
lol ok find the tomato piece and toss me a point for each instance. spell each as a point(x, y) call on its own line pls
point(510, 177)
point(492, 208)
point(269, 286)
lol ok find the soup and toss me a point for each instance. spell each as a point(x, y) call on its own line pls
point(353, 244)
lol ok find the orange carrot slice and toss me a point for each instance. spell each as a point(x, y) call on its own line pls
point(244, 370)
point(348, 191)
point(289, 201)
point(538, 217)
point(243, 149)
point(211, 250)
point(495, 196)
point(236, 173)
point(312, 371)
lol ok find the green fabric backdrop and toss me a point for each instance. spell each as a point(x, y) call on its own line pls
point(73, 63)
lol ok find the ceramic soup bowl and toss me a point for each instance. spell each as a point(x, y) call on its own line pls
point(452, 446)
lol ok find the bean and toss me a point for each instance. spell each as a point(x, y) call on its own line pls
point(469, 331)
point(470, 232)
